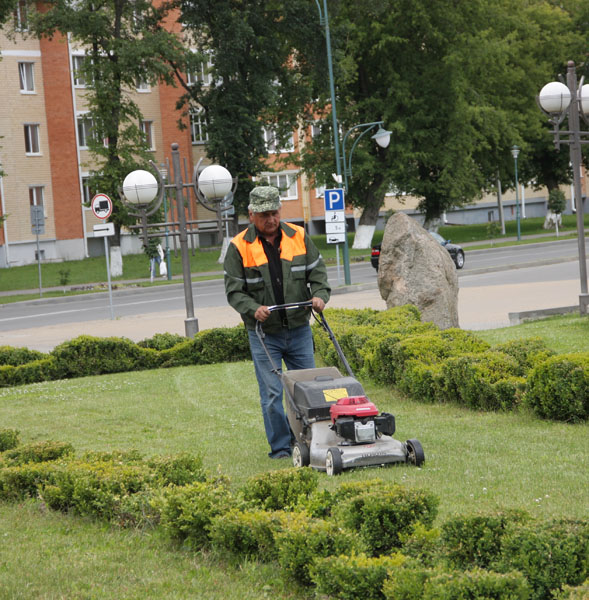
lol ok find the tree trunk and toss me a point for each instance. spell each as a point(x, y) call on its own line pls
point(367, 223)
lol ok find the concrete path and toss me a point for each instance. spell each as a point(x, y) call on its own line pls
point(484, 307)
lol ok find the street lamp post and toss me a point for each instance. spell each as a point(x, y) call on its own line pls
point(143, 191)
point(559, 101)
point(515, 154)
point(379, 137)
point(163, 170)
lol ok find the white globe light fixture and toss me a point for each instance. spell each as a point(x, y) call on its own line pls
point(585, 100)
point(215, 182)
point(555, 97)
point(140, 187)
point(382, 137)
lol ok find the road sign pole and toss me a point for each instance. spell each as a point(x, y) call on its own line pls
point(112, 314)
point(39, 264)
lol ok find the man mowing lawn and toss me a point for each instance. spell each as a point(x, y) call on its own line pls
point(270, 263)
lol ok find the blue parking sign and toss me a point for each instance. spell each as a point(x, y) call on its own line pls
point(334, 199)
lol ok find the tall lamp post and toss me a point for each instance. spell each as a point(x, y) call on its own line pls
point(145, 193)
point(515, 154)
point(559, 101)
point(324, 20)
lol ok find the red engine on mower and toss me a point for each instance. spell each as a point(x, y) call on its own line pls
point(356, 419)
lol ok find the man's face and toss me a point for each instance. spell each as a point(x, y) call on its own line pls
point(267, 222)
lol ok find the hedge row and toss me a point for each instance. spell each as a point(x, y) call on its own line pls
point(369, 539)
point(86, 355)
point(394, 347)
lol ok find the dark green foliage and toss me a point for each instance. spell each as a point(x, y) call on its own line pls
point(86, 355)
point(18, 483)
point(247, 533)
point(33, 372)
point(569, 592)
point(188, 511)
point(559, 388)
point(37, 452)
point(423, 544)
point(303, 540)
point(382, 518)
point(162, 341)
point(483, 381)
point(354, 577)
point(528, 352)
point(557, 201)
point(406, 584)
point(9, 438)
point(549, 555)
point(475, 541)
point(18, 356)
point(280, 490)
point(180, 469)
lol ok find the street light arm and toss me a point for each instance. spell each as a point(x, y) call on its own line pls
point(348, 164)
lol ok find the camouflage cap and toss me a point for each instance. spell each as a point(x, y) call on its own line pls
point(264, 198)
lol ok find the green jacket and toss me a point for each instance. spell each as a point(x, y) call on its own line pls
point(247, 276)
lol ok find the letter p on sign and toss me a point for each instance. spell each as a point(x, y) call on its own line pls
point(334, 199)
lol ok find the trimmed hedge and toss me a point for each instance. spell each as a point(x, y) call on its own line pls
point(558, 388)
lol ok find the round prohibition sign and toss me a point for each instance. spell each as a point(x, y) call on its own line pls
point(101, 206)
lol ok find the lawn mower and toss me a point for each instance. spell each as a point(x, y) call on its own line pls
point(335, 426)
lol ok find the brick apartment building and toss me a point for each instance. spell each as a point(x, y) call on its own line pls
point(43, 153)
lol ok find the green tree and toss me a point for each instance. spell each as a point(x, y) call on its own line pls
point(126, 44)
point(454, 81)
point(262, 58)
point(6, 8)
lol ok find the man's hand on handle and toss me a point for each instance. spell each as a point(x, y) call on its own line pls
point(263, 312)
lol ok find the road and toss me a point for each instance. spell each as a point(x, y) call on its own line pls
point(519, 269)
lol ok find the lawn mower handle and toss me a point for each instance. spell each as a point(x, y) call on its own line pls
point(319, 317)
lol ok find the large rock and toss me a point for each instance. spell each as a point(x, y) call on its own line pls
point(415, 269)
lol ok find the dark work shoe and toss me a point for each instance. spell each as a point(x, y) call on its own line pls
point(281, 454)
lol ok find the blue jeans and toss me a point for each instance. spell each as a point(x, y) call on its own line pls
point(295, 347)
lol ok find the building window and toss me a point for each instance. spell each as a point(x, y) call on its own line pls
point(285, 182)
point(20, 16)
point(26, 77)
point(271, 143)
point(147, 131)
point(77, 64)
point(87, 194)
point(36, 195)
point(143, 86)
point(201, 74)
point(198, 127)
point(32, 139)
point(85, 126)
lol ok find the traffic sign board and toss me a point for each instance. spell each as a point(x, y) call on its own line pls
point(335, 216)
point(101, 206)
point(334, 199)
point(335, 228)
point(104, 230)
point(38, 219)
point(336, 238)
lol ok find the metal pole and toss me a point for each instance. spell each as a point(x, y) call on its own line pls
point(168, 260)
point(519, 236)
point(575, 151)
point(39, 264)
point(191, 322)
point(112, 314)
point(325, 18)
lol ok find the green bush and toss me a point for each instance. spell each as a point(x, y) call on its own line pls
point(20, 482)
point(9, 439)
point(247, 533)
point(570, 592)
point(283, 489)
point(423, 544)
point(86, 355)
point(475, 541)
point(188, 511)
point(406, 584)
point(302, 540)
point(382, 518)
point(162, 341)
point(483, 381)
point(19, 356)
point(549, 555)
point(180, 469)
point(558, 388)
point(93, 489)
point(355, 576)
point(36, 452)
point(33, 372)
point(528, 352)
